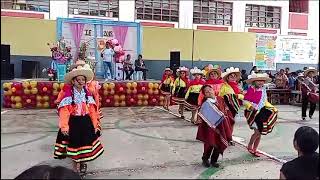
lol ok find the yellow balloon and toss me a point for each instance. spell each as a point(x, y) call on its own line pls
point(26, 91)
point(116, 103)
point(17, 99)
point(105, 86)
point(156, 91)
point(122, 97)
point(123, 103)
point(105, 92)
point(134, 84)
point(55, 92)
point(145, 102)
point(156, 85)
point(116, 97)
point(39, 98)
point(111, 85)
point(61, 85)
point(146, 96)
point(46, 98)
point(34, 90)
point(128, 85)
point(12, 98)
point(55, 86)
point(161, 98)
point(150, 91)
point(139, 102)
point(140, 96)
point(13, 89)
point(46, 104)
point(25, 84)
point(7, 93)
point(33, 83)
point(150, 85)
point(39, 105)
point(18, 105)
point(129, 91)
point(111, 91)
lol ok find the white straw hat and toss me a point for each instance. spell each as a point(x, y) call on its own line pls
point(85, 71)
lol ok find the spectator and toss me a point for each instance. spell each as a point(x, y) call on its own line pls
point(287, 71)
point(127, 67)
point(306, 165)
point(270, 75)
point(254, 68)
point(281, 80)
point(305, 68)
point(107, 55)
point(48, 172)
point(140, 66)
point(292, 80)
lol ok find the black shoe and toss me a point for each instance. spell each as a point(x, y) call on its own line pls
point(215, 164)
point(310, 117)
point(303, 118)
point(231, 143)
point(205, 163)
point(182, 117)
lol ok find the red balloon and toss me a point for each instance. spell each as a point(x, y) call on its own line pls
point(17, 85)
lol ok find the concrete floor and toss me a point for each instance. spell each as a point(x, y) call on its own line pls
point(147, 142)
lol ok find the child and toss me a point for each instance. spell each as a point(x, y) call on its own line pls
point(180, 87)
point(260, 114)
point(215, 139)
point(166, 86)
point(306, 165)
point(78, 121)
point(193, 92)
point(214, 79)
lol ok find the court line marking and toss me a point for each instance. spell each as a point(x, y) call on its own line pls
point(5, 111)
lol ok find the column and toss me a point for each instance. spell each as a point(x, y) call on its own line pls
point(185, 14)
point(238, 16)
point(127, 10)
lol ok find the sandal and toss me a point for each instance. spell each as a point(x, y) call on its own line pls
point(251, 151)
point(257, 154)
point(83, 167)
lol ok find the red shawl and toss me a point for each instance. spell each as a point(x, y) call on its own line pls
point(164, 77)
point(210, 136)
point(235, 87)
point(214, 81)
point(197, 82)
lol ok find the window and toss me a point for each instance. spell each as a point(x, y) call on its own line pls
point(105, 8)
point(158, 10)
point(26, 5)
point(263, 16)
point(299, 6)
point(212, 12)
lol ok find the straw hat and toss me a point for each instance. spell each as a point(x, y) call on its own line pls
point(78, 63)
point(258, 77)
point(215, 68)
point(230, 71)
point(195, 70)
point(168, 69)
point(79, 71)
point(182, 69)
point(310, 69)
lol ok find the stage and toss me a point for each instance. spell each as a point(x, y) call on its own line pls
point(41, 93)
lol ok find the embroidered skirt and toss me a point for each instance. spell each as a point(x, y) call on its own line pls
point(179, 94)
point(263, 120)
point(232, 102)
point(192, 101)
point(165, 89)
point(82, 143)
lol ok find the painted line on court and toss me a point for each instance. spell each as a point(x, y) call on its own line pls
point(5, 111)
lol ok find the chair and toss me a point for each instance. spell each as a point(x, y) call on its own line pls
point(138, 75)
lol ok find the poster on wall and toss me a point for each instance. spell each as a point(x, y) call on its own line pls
point(300, 50)
point(79, 31)
point(265, 52)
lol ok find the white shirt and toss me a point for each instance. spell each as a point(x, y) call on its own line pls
point(108, 55)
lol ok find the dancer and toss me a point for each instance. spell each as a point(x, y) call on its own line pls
point(230, 90)
point(193, 92)
point(78, 121)
point(93, 87)
point(260, 114)
point(215, 129)
point(309, 90)
point(180, 88)
point(214, 79)
point(166, 86)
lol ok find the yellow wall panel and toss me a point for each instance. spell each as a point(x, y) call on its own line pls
point(224, 46)
point(28, 37)
point(158, 42)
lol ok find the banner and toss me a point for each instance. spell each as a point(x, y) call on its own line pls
point(300, 50)
point(265, 52)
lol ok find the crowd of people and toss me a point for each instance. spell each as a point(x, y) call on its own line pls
point(129, 68)
point(213, 96)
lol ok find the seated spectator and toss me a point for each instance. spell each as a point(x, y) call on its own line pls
point(281, 80)
point(255, 69)
point(270, 75)
point(287, 71)
point(140, 66)
point(48, 172)
point(244, 77)
point(127, 67)
point(306, 165)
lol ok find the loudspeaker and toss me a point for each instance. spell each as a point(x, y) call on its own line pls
point(30, 69)
point(174, 61)
point(5, 54)
point(7, 71)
